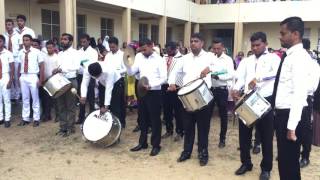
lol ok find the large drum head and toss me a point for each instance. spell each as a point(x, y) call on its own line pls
point(96, 127)
point(190, 87)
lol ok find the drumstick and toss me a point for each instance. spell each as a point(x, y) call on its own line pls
point(75, 92)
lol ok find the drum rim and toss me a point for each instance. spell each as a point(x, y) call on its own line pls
point(193, 89)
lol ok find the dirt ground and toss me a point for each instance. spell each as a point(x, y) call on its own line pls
point(29, 153)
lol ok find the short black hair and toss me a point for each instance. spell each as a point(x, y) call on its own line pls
point(95, 69)
point(50, 42)
point(37, 41)
point(171, 45)
point(70, 37)
point(3, 38)
point(145, 41)
point(9, 20)
point(23, 17)
point(85, 36)
point(28, 36)
point(306, 43)
point(259, 35)
point(198, 36)
point(217, 40)
point(294, 24)
point(113, 40)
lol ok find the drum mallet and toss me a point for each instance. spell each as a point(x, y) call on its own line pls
point(75, 92)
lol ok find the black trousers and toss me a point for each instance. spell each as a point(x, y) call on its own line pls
point(115, 107)
point(118, 103)
point(90, 97)
point(307, 140)
point(136, 92)
point(172, 107)
point(288, 151)
point(202, 119)
point(221, 100)
point(46, 103)
point(266, 129)
point(150, 112)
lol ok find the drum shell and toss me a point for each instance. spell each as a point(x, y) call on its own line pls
point(247, 113)
point(111, 136)
point(57, 85)
point(196, 99)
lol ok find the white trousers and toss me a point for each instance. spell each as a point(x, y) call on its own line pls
point(28, 83)
point(15, 87)
point(5, 96)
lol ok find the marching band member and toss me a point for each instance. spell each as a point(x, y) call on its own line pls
point(150, 65)
point(107, 77)
point(6, 78)
point(172, 106)
point(88, 56)
point(222, 74)
point(115, 59)
point(31, 63)
point(257, 71)
point(12, 44)
point(68, 65)
point(22, 29)
point(194, 65)
point(290, 97)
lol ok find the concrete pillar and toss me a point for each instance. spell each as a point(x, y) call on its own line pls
point(2, 17)
point(238, 38)
point(198, 1)
point(126, 25)
point(187, 34)
point(196, 28)
point(149, 31)
point(68, 18)
point(162, 30)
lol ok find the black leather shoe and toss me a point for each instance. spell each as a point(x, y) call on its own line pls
point(184, 156)
point(304, 162)
point(23, 123)
point(264, 175)
point(222, 144)
point(243, 169)
point(155, 151)
point(256, 149)
point(7, 124)
point(139, 147)
point(203, 158)
point(136, 129)
point(1, 122)
point(166, 135)
point(36, 123)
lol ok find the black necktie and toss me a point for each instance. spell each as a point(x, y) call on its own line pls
point(276, 82)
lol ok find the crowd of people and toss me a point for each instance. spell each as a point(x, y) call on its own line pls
point(98, 70)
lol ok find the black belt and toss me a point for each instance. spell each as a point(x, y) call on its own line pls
point(220, 87)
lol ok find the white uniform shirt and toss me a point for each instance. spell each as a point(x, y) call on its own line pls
point(224, 68)
point(107, 79)
point(314, 76)
point(115, 60)
point(87, 57)
point(35, 57)
point(15, 38)
point(6, 58)
point(293, 84)
point(263, 69)
point(24, 31)
point(50, 63)
point(171, 70)
point(151, 67)
point(69, 62)
point(192, 66)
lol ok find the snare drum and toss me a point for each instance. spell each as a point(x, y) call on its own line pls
point(251, 107)
point(196, 95)
point(103, 130)
point(57, 85)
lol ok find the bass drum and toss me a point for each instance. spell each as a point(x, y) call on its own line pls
point(103, 130)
